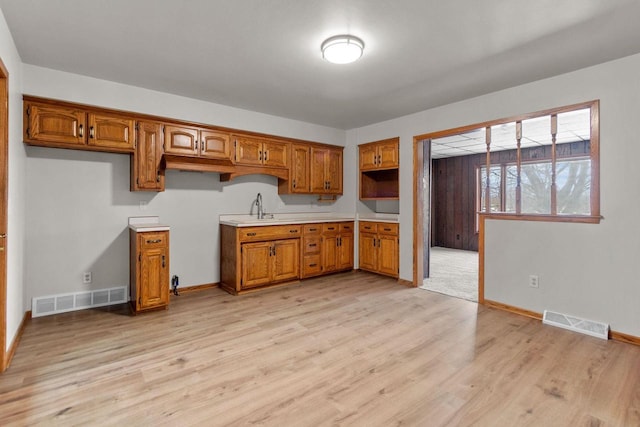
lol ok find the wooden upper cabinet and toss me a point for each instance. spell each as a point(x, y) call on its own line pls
point(180, 140)
point(251, 151)
point(379, 170)
point(215, 145)
point(326, 170)
point(379, 155)
point(69, 127)
point(299, 171)
point(111, 131)
point(146, 172)
point(191, 141)
point(54, 124)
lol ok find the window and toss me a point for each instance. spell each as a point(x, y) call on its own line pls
point(544, 166)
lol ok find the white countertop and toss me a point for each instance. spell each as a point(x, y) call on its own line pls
point(238, 220)
point(141, 224)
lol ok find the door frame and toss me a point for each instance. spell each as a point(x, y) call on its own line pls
point(422, 211)
point(4, 185)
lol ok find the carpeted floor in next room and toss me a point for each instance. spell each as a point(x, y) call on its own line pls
point(454, 272)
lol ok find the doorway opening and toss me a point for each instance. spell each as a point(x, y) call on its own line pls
point(451, 224)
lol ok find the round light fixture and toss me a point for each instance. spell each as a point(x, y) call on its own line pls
point(342, 49)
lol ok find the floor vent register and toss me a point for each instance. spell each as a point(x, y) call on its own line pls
point(61, 303)
point(572, 323)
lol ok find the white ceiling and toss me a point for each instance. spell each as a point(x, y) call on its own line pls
point(264, 55)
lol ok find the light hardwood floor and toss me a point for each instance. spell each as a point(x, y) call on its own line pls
point(347, 349)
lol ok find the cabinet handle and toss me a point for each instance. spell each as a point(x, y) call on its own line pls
point(293, 231)
point(274, 251)
point(162, 261)
point(154, 241)
point(339, 242)
point(294, 183)
point(387, 229)
point(260, 156)
point(196, 145)
point(251, 234)
point(266, 155)
point(157, 178)
point(313, 245)
point(367, 228)
point(331, 228)
point(374, 243)
point(91, 132)
point(313, 265)
point(313, 229)
point(81, 131)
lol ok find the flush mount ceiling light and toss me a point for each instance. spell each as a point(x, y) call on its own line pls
point(342, 49)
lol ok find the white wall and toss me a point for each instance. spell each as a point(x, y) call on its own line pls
point(586, 270)
point(16, 208)
point(78, 202)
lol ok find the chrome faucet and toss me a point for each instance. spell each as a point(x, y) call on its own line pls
point(259, 205)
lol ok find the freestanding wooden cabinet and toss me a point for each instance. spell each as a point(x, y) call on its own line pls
point(378, 248)
point(149, 270)
point(146, 171)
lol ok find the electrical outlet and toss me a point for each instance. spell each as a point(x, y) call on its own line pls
point(533, 281)
point(86, 277)
point(143, 205)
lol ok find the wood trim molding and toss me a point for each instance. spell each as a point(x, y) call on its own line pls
point(619, 336)
point(616, 336)
point(407, 283)
point(196, 288)
point(5, 357)
point(14, 345)
point(513, 309)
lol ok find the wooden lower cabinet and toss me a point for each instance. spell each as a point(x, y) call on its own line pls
point(337, 247)
point(149, 270)
point(269, 262)
point(261, 256)
point(378, 248)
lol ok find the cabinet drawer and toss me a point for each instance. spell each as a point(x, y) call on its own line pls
point(311, 265)
point(152, 240)
point(388, 228)
point(312, 245)
point(312, 229)
point(253, 234)
point(346, 227)
point(330, 228)
point(368, 227)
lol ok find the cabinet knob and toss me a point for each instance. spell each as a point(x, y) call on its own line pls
point(163, 261)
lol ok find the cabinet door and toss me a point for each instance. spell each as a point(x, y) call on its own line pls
point(146, 174)
point(368, 156)
point(275, 154)
point(333, 171)
point(387, 155)
point(215, 145)
point(329, 253)
point(248, 151)
point(317, 169)
point(181, 140)
point(154, 271)
point(112, 132)
point(345, 251)
point(256, 264)
point(57, 125)
point(388, 255)
point(286, 260)
point(299, 169)
point(368, 251)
